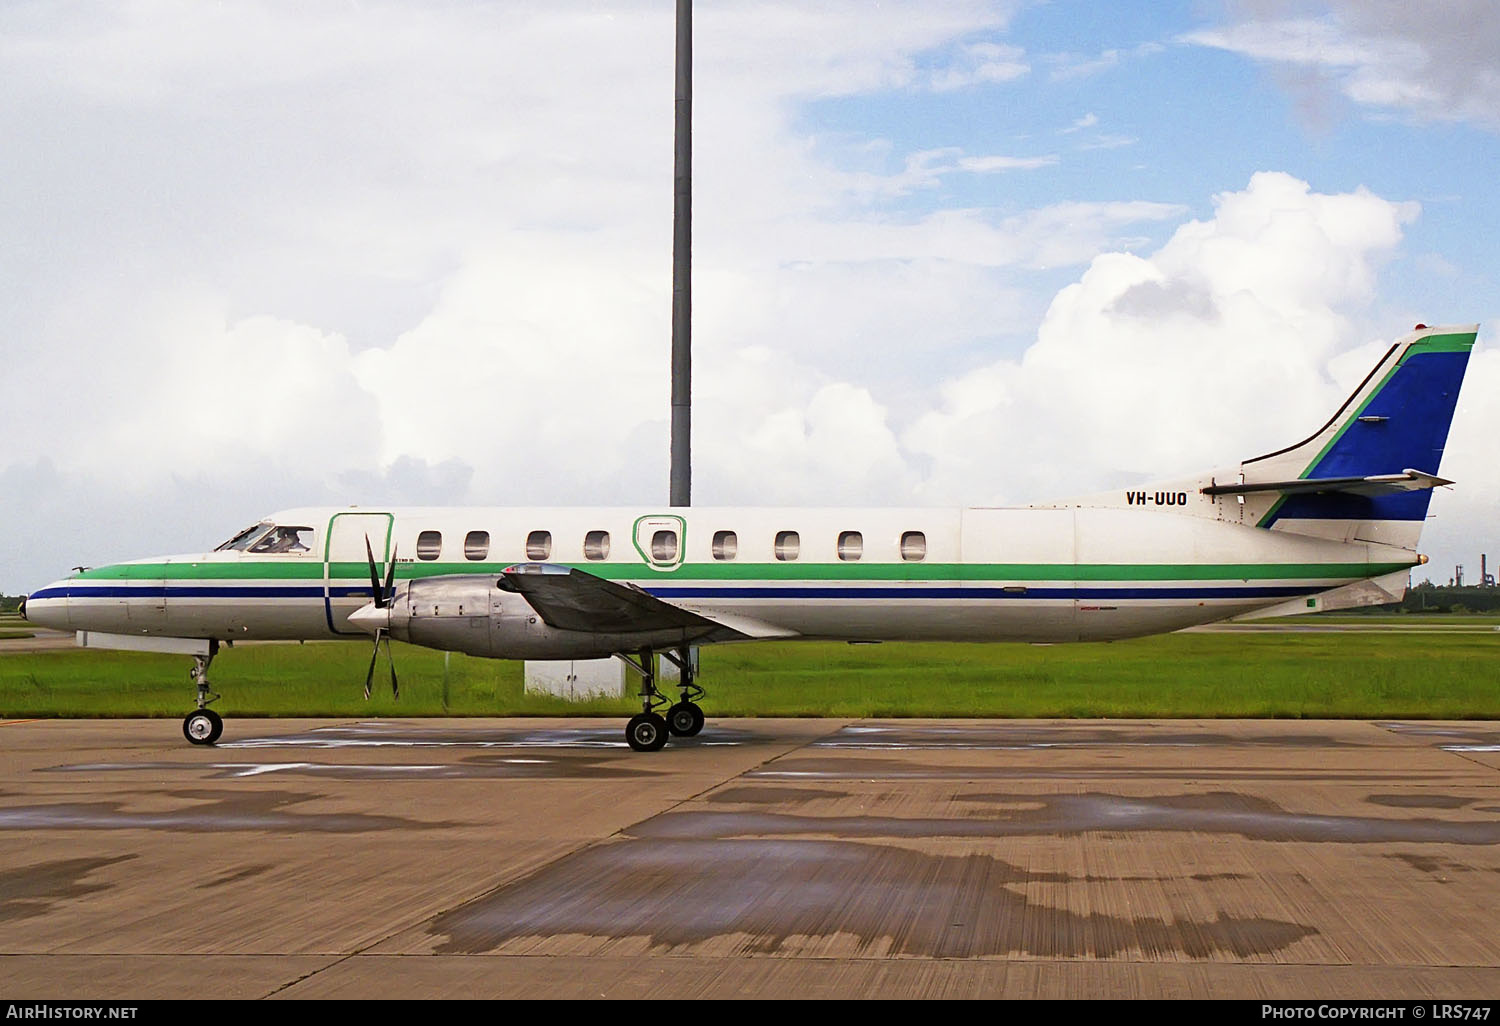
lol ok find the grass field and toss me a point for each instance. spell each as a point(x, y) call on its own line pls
point(1443, 675)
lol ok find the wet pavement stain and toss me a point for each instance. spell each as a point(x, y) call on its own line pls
point(781, 893)
point(1446, 734)
point(1011, 736)
point(769, 795)
point(1431, 864)
point(529, 766)
point(1420, 801)
point(393, 735)
point(205, 810)
point(30, 891)
point(1064, 815)
point(814, 769)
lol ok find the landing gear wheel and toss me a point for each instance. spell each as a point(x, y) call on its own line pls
point(202, 727)
point(685, 719)
point(646, 732)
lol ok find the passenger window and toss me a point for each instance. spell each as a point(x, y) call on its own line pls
point(664, 547)
point(284, 540)
point(851, 545)
point(476, 545)
point(788, 544)
point(539, 545)
point(726, 544)
point(429, 544)
point(913, 546)
point(596, 545)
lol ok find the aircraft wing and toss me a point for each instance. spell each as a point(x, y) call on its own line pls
point(569, 599)
point(1377, 484)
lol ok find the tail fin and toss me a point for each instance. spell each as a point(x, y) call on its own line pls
point(1368, 474)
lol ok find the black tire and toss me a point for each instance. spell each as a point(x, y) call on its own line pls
point(202, 727)
point(646, 732)
point(685, 719)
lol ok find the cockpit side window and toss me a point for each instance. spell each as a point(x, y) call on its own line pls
point(246, 538)
point(282, 539)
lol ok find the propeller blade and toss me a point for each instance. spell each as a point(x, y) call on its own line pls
point(390, 579)
point(370, 673)
point(395, 689)
point(375, 591)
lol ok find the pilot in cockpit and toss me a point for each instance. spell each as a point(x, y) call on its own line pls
point(284, 539)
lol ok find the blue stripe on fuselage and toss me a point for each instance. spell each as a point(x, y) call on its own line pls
point(777, 592)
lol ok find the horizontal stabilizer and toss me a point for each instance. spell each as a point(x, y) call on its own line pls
point(568, 599)
point(1374, 484)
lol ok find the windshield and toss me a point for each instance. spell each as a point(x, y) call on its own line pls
point(246, 538)
point(285, 539)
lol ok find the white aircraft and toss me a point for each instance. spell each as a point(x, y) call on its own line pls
point(1330, 522)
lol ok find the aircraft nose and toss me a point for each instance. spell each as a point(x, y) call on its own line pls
point(48, 607)
point(370, 618)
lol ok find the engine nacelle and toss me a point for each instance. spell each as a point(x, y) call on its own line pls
point(474, 614)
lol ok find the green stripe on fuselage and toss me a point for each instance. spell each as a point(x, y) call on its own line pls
point(790, 571)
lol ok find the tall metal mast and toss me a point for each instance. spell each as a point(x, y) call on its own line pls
point(682, 266)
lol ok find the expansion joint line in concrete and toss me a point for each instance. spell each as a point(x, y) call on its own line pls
point(340, 960)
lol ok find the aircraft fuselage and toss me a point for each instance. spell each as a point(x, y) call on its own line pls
point(1048, 574)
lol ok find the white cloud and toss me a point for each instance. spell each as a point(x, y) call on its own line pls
point(1430, 61)
point(981, 63)
point(1211, 349)
point(926, 169)
point(1108, 142)
point(1087, 121)
point(1067, 66)
point(990, 164)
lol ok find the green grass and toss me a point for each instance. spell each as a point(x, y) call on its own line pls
point(1184, 675)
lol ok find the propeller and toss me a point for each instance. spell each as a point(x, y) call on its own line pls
point(384, 593)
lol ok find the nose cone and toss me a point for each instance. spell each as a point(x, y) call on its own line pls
point(48, 607)
point(370, 618)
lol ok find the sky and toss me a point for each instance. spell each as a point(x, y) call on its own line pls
point(258, 255)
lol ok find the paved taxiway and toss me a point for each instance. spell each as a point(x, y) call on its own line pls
point(766, 858)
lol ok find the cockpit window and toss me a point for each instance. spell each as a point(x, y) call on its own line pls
point(246, 538)
point(285, 539)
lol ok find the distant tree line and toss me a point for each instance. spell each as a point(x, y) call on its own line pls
point(10, 603)
point(1432, 598)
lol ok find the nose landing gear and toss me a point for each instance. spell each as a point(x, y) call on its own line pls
point(204, 726)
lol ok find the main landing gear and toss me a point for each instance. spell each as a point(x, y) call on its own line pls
point(204, 726)
point(648, 731)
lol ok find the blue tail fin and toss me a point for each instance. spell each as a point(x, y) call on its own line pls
point(1396, 422)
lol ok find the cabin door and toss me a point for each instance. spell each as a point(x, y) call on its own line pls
point(346, 564)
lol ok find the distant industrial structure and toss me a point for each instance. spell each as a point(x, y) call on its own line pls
point(1486, 579)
